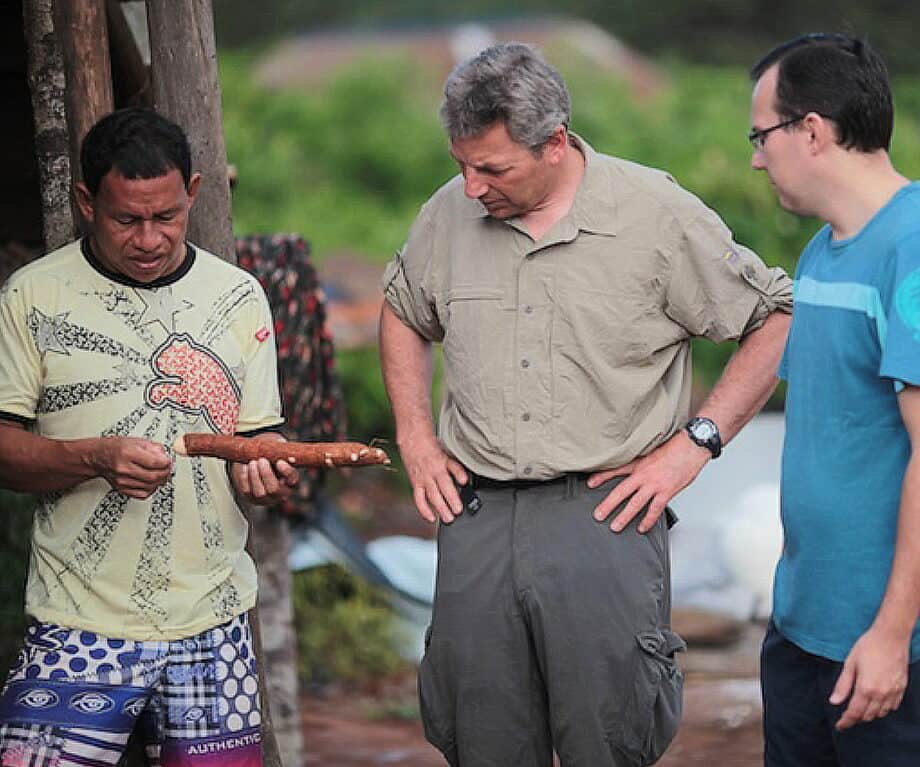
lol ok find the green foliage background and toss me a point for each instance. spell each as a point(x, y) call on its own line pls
point(732, 32)
point(348, 164)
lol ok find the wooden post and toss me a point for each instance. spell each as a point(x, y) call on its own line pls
point(270, 536)
point(85, 47)
point(183, 62)
point(47, 84)
point(130, 77)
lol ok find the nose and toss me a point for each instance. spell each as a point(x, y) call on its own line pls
point(473, 185)
point(757, 162)
point(147, 236)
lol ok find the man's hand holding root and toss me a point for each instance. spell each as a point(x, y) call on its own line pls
point(134, 467)
point(261, 482)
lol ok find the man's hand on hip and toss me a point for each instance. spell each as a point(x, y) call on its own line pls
point(434, 476)
point(653, 479)
point(874, 678)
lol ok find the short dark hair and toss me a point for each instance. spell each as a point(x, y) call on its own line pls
point(839, 77)
point(138, 143)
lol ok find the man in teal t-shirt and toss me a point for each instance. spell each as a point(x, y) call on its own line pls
point(841, 661)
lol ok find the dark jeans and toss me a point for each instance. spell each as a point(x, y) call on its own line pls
point(799, 722)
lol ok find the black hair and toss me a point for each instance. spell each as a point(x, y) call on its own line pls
point(839, 77)
point(138, 143)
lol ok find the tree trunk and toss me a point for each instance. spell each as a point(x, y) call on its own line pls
point(85, 45)
point(183, 62)
point(84, 40)
point(130, 75)
point(270, 533)
point(47, 84)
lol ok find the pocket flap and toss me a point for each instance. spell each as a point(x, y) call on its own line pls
point(664, 642)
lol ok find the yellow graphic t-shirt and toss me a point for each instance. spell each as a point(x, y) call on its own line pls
point(86, 353)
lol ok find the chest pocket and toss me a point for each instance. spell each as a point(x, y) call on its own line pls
point(472, 320)
point(620, 328)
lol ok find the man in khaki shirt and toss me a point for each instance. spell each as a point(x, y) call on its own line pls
point(564, 287)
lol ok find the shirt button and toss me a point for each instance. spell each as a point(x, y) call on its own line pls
point(527, 470)
point(528, 309)
point(525, 363)
point(525, 417)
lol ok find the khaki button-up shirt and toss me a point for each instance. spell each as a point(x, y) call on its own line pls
point(572, 353)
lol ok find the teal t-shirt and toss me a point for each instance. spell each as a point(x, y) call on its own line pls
point(854, 343)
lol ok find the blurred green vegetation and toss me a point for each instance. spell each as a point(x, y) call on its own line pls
point(348, 163)
point(724, 32)
point(344, 630)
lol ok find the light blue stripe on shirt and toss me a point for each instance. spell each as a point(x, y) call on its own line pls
point(844, 295)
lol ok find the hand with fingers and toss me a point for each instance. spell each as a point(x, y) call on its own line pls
point(134, 467)
point(652, 480)
point(434, 476)
point(873, 679)
point(262, 482)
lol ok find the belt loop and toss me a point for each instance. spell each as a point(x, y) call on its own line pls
point(571, 482)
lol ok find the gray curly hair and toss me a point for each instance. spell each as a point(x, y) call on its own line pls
point(508, 82)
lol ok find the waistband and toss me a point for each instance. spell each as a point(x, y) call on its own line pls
point(477, 481)
point(570, 481)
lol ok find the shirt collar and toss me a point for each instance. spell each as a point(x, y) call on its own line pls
point(593, 209)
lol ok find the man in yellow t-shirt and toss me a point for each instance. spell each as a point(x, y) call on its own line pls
point(139, 581)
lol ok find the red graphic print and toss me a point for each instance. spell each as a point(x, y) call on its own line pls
point(192, 379)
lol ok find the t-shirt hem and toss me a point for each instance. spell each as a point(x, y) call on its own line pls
point(112, 631)
point(255, 431)
point(9, 415)
point(830, 651)
point(811, 645)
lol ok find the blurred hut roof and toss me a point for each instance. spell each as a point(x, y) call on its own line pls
point(309, 59)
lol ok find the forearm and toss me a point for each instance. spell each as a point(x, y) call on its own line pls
point(749, 377)
point(406, 362)
point(900, 607)
point(33, 464)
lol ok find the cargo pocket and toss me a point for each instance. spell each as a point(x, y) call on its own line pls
point(435, 706)
point(657, 699)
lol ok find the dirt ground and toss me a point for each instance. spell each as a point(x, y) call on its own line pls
point(720, 726)
point(349, 728)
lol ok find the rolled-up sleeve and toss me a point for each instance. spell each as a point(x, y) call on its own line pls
point(407, 282)
point(719, 289)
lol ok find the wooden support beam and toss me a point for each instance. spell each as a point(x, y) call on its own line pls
point(183, 63)
point(130, 75)
point(47, 85)
point(85, 47)
point(183, 73)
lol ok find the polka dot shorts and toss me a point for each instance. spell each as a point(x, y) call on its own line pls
point(75, 695)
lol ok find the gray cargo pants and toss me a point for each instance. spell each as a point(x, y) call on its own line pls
point(550, 632)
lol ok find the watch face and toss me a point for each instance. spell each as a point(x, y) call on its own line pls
point(704, 430)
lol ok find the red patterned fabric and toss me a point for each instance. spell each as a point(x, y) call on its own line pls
point(312, 396)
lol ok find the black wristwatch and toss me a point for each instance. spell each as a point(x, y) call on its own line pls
point(705, 433)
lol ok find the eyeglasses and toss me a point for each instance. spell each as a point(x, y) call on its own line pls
point(758, 136)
